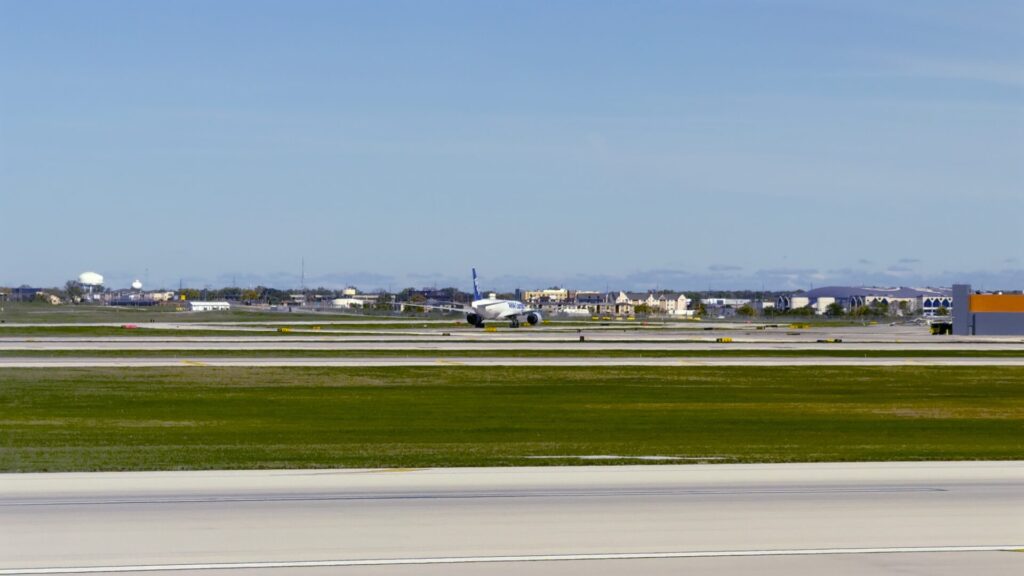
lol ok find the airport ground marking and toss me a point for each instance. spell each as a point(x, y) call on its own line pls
point(502, 559)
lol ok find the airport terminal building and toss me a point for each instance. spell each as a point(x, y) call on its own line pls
point(927, 301)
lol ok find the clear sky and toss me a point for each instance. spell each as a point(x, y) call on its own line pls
point(627, 144)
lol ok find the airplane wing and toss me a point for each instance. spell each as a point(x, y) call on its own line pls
point(453, 307)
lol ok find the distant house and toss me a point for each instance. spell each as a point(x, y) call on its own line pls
point(548, 295)
point(51, 298)
point(161, 296)
point(612, 307)
point(585, 297)
point(663, 302)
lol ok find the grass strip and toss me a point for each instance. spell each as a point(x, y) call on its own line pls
point(224, 418)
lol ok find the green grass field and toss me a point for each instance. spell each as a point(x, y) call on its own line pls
point(207, 418)
point(45, 313)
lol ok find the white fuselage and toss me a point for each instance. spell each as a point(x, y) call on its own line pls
point(495, 309)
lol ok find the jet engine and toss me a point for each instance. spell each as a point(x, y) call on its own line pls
point(474, 319)
point(533, 318)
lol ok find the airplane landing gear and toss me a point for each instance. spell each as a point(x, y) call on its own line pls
point(514, 322)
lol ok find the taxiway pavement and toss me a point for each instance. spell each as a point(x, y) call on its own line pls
point(568, 361)
point(846, 517)
point(271, 344)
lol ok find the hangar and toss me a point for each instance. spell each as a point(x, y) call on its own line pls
point(927, 301)
point(979, 314)
point(200, 306)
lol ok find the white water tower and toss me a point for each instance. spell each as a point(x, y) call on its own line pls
point(136, 285)
point(90, 279)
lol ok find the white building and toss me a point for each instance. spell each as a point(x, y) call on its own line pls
point(898, 300)
point(547, 295)
point(792, 302)
point(821, 304)
point(347, 302)
point(200, 306)
point(725, 302)
point(664, 302)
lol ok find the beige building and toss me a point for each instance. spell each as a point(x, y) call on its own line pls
point(547, 295)
point(664, 302)
point(161, 296)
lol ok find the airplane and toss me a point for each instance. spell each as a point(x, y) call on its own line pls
point(482, 309)
point(497, 309)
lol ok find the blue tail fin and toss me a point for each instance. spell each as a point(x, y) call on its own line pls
point(476, 289)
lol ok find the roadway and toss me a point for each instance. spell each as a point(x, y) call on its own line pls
point(847, 518)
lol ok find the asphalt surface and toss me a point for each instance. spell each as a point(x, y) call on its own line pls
point(691, 338)
point(271, 343)
point(924, 518)
point(383, 362)
point(914, 564)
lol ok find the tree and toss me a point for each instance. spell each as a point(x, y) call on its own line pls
point(73, 290)
point(273, 295)
point(942, 311)
point(880, 308)
point(746, 310)
point(189, 293)
point(230, 293)
point(642, 309)
point(835, 309)
point(700, 310)
point(860, 311)
point(385, 302)
point(803, 311)
point(904, 308)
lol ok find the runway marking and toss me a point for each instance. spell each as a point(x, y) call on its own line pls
point(565, 361)
point(466, 496)
point(492, 559)
point(387, 470)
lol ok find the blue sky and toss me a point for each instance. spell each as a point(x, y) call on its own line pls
point(638, 144)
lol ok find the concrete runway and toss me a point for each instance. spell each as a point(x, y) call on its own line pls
point(923, 518)
point(381, 362)
point(272, 343)
point(689, 338)
point(744, 337)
